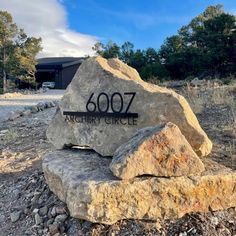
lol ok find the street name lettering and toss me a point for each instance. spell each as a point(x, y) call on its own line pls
point(98, 107)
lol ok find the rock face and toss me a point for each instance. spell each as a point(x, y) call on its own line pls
point(160, 151)
point(83, 180)
point(107, 102)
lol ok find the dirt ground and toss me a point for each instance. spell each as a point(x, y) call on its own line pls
point(28, 207)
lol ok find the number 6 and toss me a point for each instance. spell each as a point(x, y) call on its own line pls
point(91, 102)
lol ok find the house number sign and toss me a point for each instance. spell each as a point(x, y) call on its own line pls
point(113, 109)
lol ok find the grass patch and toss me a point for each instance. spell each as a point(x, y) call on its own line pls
point(10, 136)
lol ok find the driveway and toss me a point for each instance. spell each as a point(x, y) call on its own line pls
point(19, 102)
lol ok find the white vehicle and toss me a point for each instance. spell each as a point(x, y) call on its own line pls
point(48, 84)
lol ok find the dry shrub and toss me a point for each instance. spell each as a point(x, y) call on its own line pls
point(222, 96)
point(200, 98)
point(10, 135)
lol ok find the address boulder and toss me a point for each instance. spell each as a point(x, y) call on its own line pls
point(107, 102)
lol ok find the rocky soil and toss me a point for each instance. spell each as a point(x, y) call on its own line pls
point(28, 207)
point(16, 102)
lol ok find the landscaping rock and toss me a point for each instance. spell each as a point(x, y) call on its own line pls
point(41, 106)
point(83, 180)
point(38, 219)
point(160, 151)
point(15, 216)
point(43, 211)
point(26, 112)
point(34, 109)
point(53, 229)
point(48, 105)
point(61, 218)
point(111, 84)
point(14, 115)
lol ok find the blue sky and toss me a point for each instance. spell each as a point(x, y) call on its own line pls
point(146, 23)
point(72, 27)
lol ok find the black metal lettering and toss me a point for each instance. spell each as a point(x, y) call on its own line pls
point(131, 100)
point(91, 102)
point(115, 121)
point(121, 102)
point(99, 104)
point(121, 121)
point(107, 120)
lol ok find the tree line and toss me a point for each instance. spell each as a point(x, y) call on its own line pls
point(204, 47)
point(17, 52)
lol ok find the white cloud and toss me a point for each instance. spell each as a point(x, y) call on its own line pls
point(48, 19)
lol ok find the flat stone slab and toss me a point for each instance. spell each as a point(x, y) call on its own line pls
point(83, 180)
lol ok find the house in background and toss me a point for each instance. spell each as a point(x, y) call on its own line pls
point(60, 70)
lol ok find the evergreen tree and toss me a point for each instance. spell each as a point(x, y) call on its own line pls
point(17, 51)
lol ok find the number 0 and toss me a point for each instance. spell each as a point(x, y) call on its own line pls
point(121, 102)
point(99, 102)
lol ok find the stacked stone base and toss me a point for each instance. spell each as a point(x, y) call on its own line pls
point(82, 180)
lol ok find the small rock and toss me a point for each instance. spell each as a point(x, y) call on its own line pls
point(87, 224)
point(60, 210)
point(43, 211)
point(214, 220)
point(16, 193)
point(61, 218)
point(15, 216)
point(26, 112)
point(62, 228)
point(28, 232)
point(49, 213)
point(47, 105)
point(183, 234)
point(26, 211)
point(2, 218)
point(52, 104)
point(53, 229)
point(35, 199)
point(50, 221)
point(14, 115)
point(41, 106)
point(4, 131)
point(57, 234)
point(34, 109)
point(53, 211)
point(38, 219)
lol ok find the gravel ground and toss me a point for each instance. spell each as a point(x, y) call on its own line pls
point(19, 102)
point(28, 207)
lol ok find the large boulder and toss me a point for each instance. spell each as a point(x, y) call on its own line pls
point(83, 180)
point(160, 151)
point(107, 102)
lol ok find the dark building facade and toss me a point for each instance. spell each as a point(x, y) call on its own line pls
point(60, 70)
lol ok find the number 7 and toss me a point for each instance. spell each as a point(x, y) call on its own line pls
point(131, 100)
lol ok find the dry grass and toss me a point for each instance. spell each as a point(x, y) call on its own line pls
point(217, 98)
point(9, 136)
point(208, 96)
